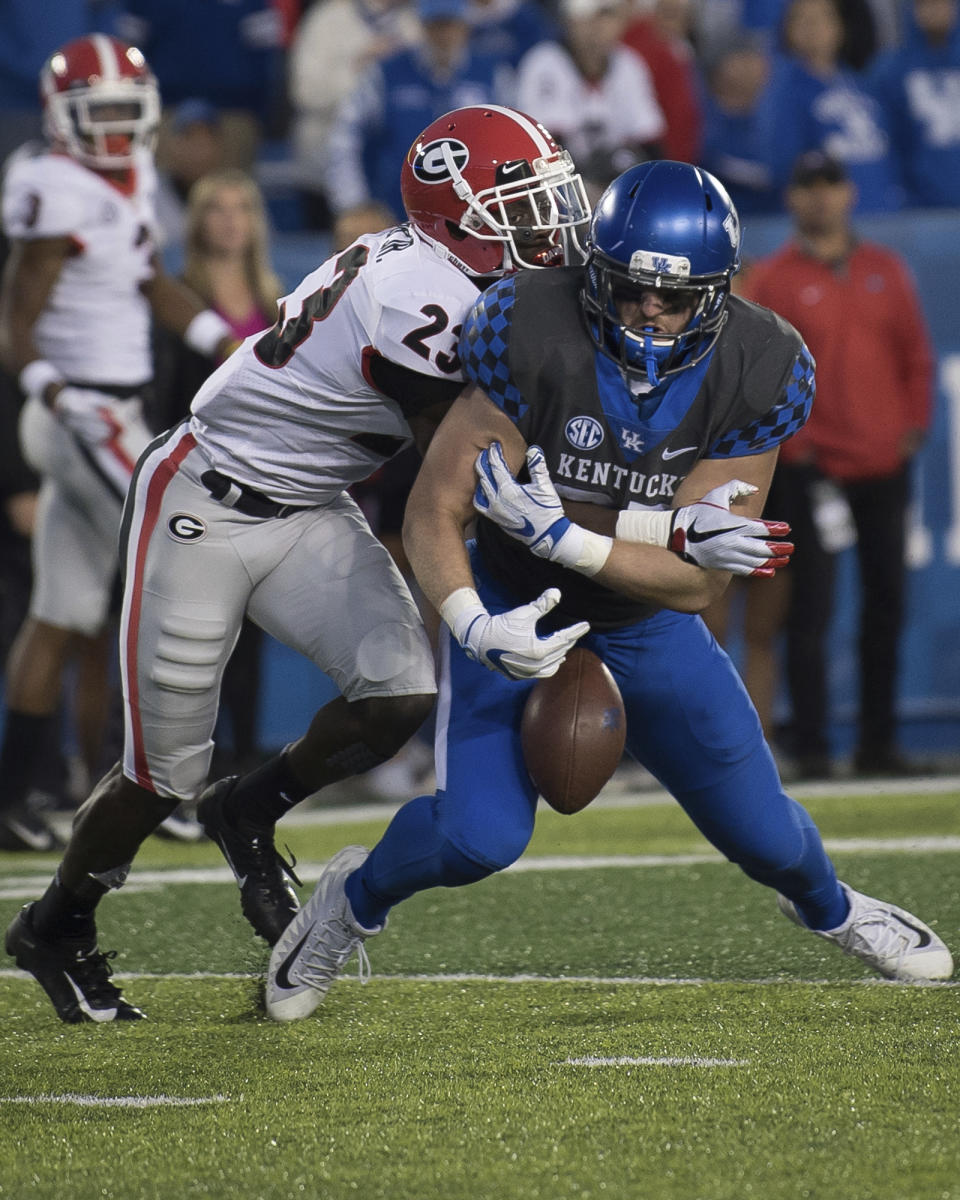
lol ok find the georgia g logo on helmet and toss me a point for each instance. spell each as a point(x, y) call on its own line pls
point(430, 163)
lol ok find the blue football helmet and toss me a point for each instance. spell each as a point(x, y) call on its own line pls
point(666, 227)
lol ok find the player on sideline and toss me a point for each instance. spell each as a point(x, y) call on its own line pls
point(655, 400)
point(78, 292)
point(244, 508)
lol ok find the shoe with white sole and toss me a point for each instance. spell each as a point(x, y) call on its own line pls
point(316, 945)
point(887, 938)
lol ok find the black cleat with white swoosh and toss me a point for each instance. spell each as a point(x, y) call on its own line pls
point(73, 972)
point(263, 876)
point(894, 942)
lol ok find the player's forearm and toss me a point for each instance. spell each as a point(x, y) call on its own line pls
point(656, 575)
point(435, 546)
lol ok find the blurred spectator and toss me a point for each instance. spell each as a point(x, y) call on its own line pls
point(394, 100)
point(661, 36)
point(919, 89)
point(856, 306)
point(858, 17)
point(191, 145)
point(595, 94)
point(507, 29)
point(77, 294)
point(27, 41)
point(334, 43)
point(760, 603)
point(228, 52)
point(813, 102)
point(227, 265)
point(732, 144)
point(18, 503)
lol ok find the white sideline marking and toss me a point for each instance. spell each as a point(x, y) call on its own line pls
point(622, 793)
point(117, 1101)
point(25, 887)
point(475, 977)
point(590, 1061)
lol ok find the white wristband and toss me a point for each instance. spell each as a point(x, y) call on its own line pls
point(459, 602)
point(638, 525)
point(37, 376)
point(592, 553)
point(206, 331)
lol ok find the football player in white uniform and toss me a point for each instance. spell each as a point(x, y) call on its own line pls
point(75, 307)
point(244, 509)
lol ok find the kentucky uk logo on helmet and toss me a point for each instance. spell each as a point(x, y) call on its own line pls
point(432, 163)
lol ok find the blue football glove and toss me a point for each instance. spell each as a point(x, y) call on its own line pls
point(509, 642)
point(533, 512)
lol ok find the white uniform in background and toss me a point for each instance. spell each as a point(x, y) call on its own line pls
point(95, 328)
point(615, 112)
point(243, 507)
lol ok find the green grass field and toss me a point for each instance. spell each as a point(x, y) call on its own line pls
point(625, 1016)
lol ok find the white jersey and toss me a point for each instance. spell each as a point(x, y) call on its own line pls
point(619, 110)
point(95, 327)
point(294, 412)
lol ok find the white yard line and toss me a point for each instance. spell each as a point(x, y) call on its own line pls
point(621, 792)
point(558, 980)
point(25, 887)
point(591, 1061)
point(117, 1101)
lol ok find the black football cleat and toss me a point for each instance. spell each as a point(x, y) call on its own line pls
point(267, 899)
point(73, 973)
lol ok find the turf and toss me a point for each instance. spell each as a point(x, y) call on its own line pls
point(448, 1076)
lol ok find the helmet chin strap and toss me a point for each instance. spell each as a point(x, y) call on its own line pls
point(650, 359)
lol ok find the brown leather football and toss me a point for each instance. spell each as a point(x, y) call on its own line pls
point(573, 731)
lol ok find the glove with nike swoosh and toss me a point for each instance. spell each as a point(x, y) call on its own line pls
point(509, 642)
point(533, 512)
point(707, 534)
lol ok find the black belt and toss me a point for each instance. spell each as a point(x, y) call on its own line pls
point(120, 391)
point(244, 499)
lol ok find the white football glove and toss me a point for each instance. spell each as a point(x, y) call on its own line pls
point(87, 413)
point(533, 512)
point(709, 535)
point(509, 642)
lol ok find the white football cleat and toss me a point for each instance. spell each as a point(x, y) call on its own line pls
point(315, 946)
point(887, 938)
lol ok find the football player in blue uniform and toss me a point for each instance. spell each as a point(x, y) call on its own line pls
point(647, 405)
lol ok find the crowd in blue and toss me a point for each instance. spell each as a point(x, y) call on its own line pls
point(331, 92)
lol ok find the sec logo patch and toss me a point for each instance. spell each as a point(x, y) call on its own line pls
point(183, 527)
point(583, 432)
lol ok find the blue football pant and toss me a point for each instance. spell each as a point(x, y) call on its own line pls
point(690, 722)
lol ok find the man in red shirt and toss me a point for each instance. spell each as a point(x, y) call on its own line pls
point(856, 306)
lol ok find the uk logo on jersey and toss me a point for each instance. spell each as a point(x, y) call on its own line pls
point(432, 163)
point(583, 432)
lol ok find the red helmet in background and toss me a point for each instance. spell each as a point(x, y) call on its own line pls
point(491, 187)
point(100, 100)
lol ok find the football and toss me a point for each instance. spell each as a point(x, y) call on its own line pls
point(573, 731)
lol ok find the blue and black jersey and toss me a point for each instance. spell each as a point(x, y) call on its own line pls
point(525, 344)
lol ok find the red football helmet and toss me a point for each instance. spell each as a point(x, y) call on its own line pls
point(493, 190)
point(100, 100)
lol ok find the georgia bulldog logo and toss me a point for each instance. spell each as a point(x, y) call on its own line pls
point(430, 164)
point(183, 527)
